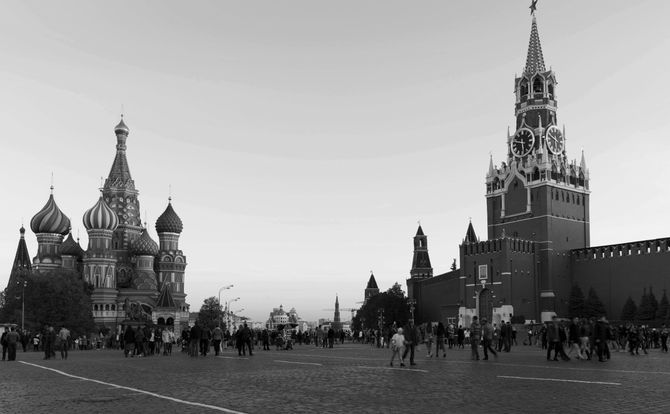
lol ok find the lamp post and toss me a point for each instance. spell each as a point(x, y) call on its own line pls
point(220, 290)
point(411, 303)
point(23, 303)
point(228, 314)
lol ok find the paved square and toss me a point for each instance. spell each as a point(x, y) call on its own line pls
point(348, 378)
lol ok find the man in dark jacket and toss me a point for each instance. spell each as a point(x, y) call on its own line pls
point(411, 340)
point(601, 336)
point(194, 338)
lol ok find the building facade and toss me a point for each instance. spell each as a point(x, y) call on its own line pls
point(134, 278)
point(538, 231)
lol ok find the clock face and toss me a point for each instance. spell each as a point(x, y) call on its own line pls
point(554, 138)
point(523, 142)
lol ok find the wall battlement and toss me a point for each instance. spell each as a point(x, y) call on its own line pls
point(498, 245)
point(644, 247)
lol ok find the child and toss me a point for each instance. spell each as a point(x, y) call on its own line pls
point(398, 346)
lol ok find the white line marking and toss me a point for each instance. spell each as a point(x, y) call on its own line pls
point(136, 390)
point(559, 380)
point(299, 363)
point(394, 368)
point(230, 357)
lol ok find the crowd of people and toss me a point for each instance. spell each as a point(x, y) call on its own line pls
point(563, 339)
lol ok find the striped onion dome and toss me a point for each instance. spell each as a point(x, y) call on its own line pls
point(50, 219)
point(100, 217)
point(169, 221)
point(144, 245)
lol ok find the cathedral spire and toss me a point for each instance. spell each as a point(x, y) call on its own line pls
point(470, 236)
point(534, 59)
point(119, 174)
point(22, 264)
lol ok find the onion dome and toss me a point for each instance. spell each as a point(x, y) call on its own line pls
point(71, 248)
point(100, 217)
point(121, 128)
point(50, 219)
point(145, 245)
point(169, 221)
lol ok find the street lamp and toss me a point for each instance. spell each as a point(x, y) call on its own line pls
point(220, 290)
point(23, 303)
point(228, 313)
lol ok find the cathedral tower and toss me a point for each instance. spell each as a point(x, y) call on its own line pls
point(171, 265)
point(371, 289)
point(22, 266)
point(120, 194)
point(49, 225)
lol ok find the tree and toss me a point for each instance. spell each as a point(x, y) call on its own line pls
point(393, 306)
point(645, 312)
point(653, 304)
point(629, 311)
point(210, 313)
point(663, 312)
point(593, 306)
point(59, 298)
point(576, 304)
point(453, 266)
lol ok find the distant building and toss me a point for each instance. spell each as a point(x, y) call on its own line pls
point(371, 289)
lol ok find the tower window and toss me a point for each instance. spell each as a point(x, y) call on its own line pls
point(550, 87)
point(538, 87)
point(524, 88)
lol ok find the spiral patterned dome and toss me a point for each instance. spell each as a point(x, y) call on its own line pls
point(50, 219)
point(100, 217)
point(169, 221)
point(71, 248)
point(145, 245)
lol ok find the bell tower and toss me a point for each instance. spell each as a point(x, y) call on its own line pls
point(539, 194)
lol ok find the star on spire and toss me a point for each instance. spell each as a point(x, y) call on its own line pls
point(533, 7)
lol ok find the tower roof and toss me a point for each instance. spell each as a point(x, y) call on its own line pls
point(100, 217)
point(145, 245)
point(22, 264)
point(169, 221)
point(470, 236)
point(419, 231)
point(372, 283)
point(165, 299)
point(534, 59)
point(50, 219)
point(119, 174)
point(70, 247)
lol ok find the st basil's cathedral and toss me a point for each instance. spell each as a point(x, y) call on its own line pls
point(134, 278)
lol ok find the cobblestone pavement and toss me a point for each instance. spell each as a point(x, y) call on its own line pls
point(349, 378)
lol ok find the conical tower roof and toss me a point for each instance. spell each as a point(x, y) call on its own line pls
point(372, 283)
point(419, 231)
point(22, 265)
point(119, 174)
point(534, 58)
point(470, 236)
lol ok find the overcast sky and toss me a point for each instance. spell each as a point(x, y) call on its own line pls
point(303, 140)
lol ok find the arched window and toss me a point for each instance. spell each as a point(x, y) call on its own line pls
point(107, 307)
point(95, 307)
point(170, 321)
point(524, 88)
point(550, 90)
point(161, 321)
point(536, 174)
point(538, 87)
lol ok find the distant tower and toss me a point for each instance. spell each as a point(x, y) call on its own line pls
point(470, 235)
point(22, 266)
point(337, 324)
point(50, 225)
point(171, 265)
point(372, 289)
point(421, 268)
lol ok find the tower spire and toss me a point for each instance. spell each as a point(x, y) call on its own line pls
point(534, 58)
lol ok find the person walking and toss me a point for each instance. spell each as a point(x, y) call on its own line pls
point(428, 339)
point(601, 335)
point(411, 339)
point(49, 342)
point(398, 347)
point(475, 337)
point(3, 343)
point(64, 336)
point(12, 339)
point(194, 340)
point(440, 333)
point(129, 341)
point(217, 336)
point(487, 339)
